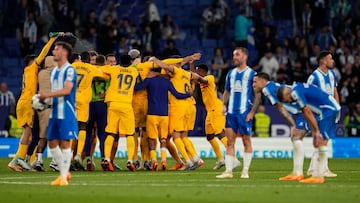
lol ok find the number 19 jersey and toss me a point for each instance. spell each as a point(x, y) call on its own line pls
point(122, 82)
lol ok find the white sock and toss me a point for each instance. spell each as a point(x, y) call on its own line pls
point(326, 166)
point(39, 157)
point(298, 157)
point(229, 163)
point(163, 149)
point(57, 155)
point(196, 158)
point(321, 163)
point(247, 161)
point(65, 166)
point(314, 160)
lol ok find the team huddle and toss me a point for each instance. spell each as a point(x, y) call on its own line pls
point(82, 98)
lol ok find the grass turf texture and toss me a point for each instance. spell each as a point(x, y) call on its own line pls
point(183, 186)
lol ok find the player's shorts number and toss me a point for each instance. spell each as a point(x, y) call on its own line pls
point(125, 79)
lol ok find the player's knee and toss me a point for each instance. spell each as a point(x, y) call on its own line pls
point(82, 125)
point(210, 137)
point(220, 135)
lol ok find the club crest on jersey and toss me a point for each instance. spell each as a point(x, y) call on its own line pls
point(237, 86)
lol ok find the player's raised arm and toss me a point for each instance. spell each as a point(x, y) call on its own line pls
point(46, 48)
point(198, 78)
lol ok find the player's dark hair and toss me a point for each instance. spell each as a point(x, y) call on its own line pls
point(110, 55)
point(100, 60)
point(280, 93)
point(322, 55)
point(73, 57)
point(29, 58)
point(243, 50)
point(263, 75)
point(85, 57)
point(125, 60)
point(158, 70)
point(93, 53)
point(203, 67)
point(66, 46)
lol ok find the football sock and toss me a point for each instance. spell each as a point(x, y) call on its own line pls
point(21, 152)
point(229, 162)
point(136, 141)
point(64, 167)
point(57, 156)
point(130, 144)
point(189, 147)
point(321, 162)
point(163, 153)
point(153, 154)
point(108, 146)
point(314, 160)
point(181, 147)
point(39, 157)
point(298, 157)
point(247, 161)
point(81, 141)
point(144, 147)
point(224, 141)
point(172, 150)
point(216, 147)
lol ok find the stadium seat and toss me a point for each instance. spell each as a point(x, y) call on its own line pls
point(187, 3)
point(12, 47)
point(209, 43)
point(172, 3)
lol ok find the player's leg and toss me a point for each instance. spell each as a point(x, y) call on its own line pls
point(174, 153)
point(80, 146)
point(152, 126)
point(163, 131)
point(35, 131)
point(298, 159)
point(43, 124)
point(127, 128)
point(231, 127)
point(209, 130)
point(112, 132)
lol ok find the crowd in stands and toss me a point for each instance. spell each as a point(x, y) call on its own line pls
point(283, 37)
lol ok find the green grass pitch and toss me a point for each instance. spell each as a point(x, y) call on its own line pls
point(183, 186)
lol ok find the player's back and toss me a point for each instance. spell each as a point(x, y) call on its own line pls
point(181, 81)
point(209, 94)
point(122, 82)
point(239, 85)
point(270, 91)
point(29, 82)
point(319, 101)
point(326, 82)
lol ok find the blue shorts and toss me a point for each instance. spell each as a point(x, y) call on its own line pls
point(62, 129)
point(328, 126)
point(238, 124)
point(301, 123)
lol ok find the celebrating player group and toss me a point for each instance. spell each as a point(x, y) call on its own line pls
point(80, 99)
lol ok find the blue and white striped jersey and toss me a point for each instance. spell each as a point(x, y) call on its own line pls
point(239, 84)
point(270, 91)
point(326, 82)
point(320, 103)
point(63, 107)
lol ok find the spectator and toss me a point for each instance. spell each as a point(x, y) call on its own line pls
point(324, 38)
point(268, 64)
point(242, 26)
point(170, 49)
point(29, 34)
point(352, 121)
point(344, 92)
point(282, 58)
point(169, 30)
point(65, 16)
point(356, 65)
point(44, 17)
point(266, 40)
point(298, 73)
point(109, 11)
point(148, 41)
point(152, 17)
point(354, 90)
point(122, 47)
point(262, 123)
point(212, 22)
point(314, 54)
point(347, 57)
point(91, 22)
point(125, 26)
point(134, 38)
point(218, 65)
point(7, 101)
point(281, 76)
point(306, 20)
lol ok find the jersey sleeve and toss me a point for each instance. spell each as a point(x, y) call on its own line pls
point(311, 80)
point(71, 75)
point(44, 51)
point(227, 81)
point(272, 98)
point(142, 85)
point(298, 95)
